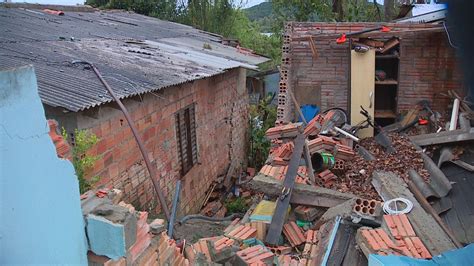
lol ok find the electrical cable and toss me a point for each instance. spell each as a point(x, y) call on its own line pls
point(388, 210)
point(449, 37)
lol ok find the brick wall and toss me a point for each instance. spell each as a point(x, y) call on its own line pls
point(428, 66)
point(221, 107)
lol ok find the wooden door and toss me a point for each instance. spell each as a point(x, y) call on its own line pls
point(362, 88)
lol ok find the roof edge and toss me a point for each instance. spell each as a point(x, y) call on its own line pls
point(70, 8)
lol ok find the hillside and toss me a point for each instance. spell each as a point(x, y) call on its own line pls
point(259, 11)
point(261, 14)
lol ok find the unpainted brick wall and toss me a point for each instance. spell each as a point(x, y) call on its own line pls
point(221, 128)
point(428, 66)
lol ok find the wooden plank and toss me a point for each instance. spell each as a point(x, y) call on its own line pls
point(282, 203)
point(386, 82)
point(362, 88)
point(443, 137)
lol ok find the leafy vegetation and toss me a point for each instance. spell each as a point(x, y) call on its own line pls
point(81, 161)
point(262, 117)
point(236, 205)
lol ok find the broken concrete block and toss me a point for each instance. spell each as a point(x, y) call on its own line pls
point(105, 237)
point(111, 235)
point(157, 226)
point(121, 215)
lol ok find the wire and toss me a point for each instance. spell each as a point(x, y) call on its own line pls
point(449, 37)
point(387, 209)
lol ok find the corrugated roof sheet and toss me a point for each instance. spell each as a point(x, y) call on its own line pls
point(136, 54)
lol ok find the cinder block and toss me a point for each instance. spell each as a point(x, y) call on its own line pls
point(113, 233)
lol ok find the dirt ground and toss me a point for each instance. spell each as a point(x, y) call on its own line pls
point(193, 230)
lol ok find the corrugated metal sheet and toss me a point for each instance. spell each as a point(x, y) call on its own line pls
point(136, 54)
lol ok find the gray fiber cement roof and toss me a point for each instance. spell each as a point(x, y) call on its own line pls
point(135, 54)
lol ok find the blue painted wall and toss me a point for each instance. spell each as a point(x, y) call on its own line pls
point(40, 212)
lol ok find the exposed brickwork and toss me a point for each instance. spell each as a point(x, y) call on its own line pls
point(428, 66)
point(221, 128)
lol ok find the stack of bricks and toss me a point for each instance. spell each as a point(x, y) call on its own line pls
point(282, 154)
point(401, 241)
point(143, 238)
point(242, 232)
point(308, 214)
point(293, 234)
point(284, 131)
point(321, 144)
point(284, 105)
point(168, 253)
point(256, 255)
point(201, 246)
point(343, 152)
point(314, 126)
point(310, 247)
point(327, 178)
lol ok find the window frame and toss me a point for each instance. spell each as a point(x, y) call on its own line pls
point(186, 138)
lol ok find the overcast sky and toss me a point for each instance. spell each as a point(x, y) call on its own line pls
point(247, 3)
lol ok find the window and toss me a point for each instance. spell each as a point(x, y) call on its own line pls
point(186, 138)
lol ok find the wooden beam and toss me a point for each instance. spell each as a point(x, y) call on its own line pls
point(443, 137)
point(283, 201)
point(307, 195)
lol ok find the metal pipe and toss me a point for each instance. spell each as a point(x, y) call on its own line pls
point(150, 168)
point(332, 238)
point(454, 115)
point(347, 134)
point(173, 210)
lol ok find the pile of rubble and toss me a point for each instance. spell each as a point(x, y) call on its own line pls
point(323, 197)
point(117, 234)
point(331, 198)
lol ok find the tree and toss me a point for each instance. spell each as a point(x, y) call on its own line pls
point(389, 9)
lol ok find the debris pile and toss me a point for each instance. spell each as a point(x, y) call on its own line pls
point(331, 198)
point(117, 234)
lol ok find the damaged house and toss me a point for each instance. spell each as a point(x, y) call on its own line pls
point(183, 88)
point(406, 63)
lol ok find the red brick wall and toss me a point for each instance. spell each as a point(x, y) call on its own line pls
point(428, 66)
point(221, 107)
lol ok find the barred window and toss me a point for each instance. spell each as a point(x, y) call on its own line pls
point(186, 138)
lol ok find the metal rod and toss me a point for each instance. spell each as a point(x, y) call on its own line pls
point(174, 208)
point(428, 208)
point(354, 138)
point(331, 241)
point(150, 168)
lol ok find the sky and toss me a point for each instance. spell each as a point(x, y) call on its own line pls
point(247, 3)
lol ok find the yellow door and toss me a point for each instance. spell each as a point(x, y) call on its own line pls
point(362, 88)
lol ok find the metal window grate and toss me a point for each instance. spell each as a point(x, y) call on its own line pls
point(186, 138)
